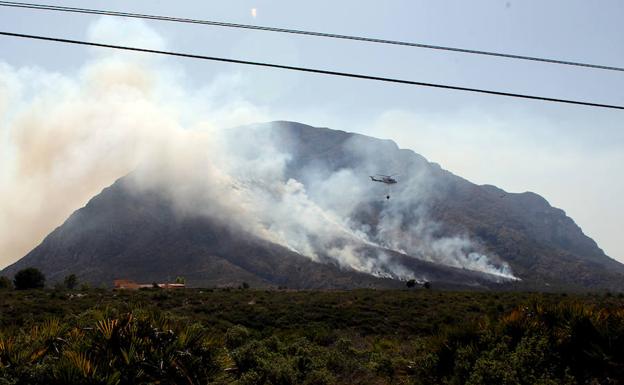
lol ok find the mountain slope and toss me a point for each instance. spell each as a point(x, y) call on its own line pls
point(436, 226)
point(122, 234)
point(543, 246)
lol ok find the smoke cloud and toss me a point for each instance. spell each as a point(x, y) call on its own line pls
point(64, 138)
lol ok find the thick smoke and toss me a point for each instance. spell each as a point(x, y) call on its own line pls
point(63, 138)
point(401, 224)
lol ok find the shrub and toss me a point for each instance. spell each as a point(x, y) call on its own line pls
point(29, 278)
point(71, 281)
point(534, 344)
point(236, 336)
point(320, 377)
point(131, 349)
point(5, 283)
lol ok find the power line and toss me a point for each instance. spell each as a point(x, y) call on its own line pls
point(312, 70)
point(301, 32)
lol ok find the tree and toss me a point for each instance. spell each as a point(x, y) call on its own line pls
point(5, 283)
point(245, 285)
point(29, 278)
point(427, 285)
point(71, 281)
point(411, 283)
point(180, 280)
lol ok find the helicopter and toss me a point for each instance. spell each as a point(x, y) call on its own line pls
point(386, 179)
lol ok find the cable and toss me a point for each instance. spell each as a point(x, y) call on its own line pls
point(312, 70)
point(300, 32)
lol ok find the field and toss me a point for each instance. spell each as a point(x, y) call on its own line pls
point(279, 337)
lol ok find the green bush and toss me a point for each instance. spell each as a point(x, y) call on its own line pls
point(5, 283)
point(71, 281)
point(126, 350)
point(309, 337)
point(562, 344)
point(29, 278)
point(236, 336)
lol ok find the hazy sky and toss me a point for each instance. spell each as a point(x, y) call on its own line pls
point(571, 155)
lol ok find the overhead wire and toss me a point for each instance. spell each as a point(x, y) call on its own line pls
point(310, 70)
point(58, 8)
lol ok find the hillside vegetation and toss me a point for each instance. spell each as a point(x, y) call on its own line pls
point(246, 336)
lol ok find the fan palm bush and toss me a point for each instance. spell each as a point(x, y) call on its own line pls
point(126, 350)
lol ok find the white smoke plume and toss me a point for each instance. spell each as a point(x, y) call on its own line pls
point(64, 138)
point(403, 222)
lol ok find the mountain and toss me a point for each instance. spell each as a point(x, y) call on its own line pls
point(436, 226)
point(122, 234)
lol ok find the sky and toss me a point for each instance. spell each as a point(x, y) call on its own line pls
point(571, 155)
